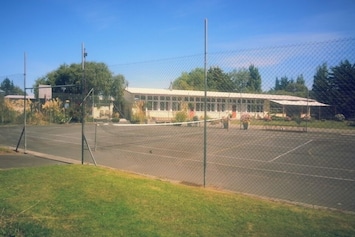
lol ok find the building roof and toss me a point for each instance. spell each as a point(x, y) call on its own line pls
point(19, 97)
point(299, 103)
point(151, 91)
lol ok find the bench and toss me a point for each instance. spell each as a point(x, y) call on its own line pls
point(161, 120)
point(285, 128)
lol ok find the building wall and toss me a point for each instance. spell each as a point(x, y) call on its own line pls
point(102, 112)
point(165, 106)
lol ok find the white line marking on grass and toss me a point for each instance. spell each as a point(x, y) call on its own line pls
point(279, 156)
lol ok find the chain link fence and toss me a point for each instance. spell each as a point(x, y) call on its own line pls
point(275, 122)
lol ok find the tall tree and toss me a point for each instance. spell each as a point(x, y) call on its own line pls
point(342, 81)
point(297, 87)
point(337, 87)
point(290, 86)
point(321, 84)
point(193, 80)
point(217, 80)
point(284, 82)
point(254, 83)
point(117, 88)
point(96, 76)
point(9, 88)
point(277, 84)
point(240, 79)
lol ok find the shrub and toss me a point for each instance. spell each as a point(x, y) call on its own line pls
point(138, 112)
point(181, 116)
point(287, 118)
point(115, 120)
point(297, 119)
point(246, 118)
point(267, 118)
point(339, 117)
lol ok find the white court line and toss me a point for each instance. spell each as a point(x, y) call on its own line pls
point(285, 172)
point(279, 156)
point(242, 167)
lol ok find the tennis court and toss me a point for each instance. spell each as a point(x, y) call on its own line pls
point(314, 168)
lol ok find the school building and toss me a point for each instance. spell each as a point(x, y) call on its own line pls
point(164, 103)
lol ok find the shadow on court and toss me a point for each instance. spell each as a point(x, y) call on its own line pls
point(21, 160)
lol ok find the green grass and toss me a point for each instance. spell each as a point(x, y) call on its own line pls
point(5, 150)
point(311, 124)
point(77, 200)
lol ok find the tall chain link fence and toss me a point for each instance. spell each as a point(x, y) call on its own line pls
point(275, 122)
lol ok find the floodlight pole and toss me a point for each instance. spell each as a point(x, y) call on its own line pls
point(205, 112)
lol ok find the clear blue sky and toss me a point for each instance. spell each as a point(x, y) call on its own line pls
point(123, 31)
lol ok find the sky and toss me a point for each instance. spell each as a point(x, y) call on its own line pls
point(153, 42)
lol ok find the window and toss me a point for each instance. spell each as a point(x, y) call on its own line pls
point(198, 106)
point(149, 105)
point(176, 106)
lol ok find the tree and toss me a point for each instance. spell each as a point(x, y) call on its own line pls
point(9, 88)
point(284, 82)
point(240, 79)
point(217, 80)
point(298, 87)
point(97, 76)
point(342, 82)
point(117, 88)
point(336, 87)
point(321, 84)
point(72, 83)
point(254, 83)
point(248, 80)
point(290, 86)
point(193, 80)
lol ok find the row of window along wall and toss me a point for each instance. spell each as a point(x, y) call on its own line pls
point(174, 103)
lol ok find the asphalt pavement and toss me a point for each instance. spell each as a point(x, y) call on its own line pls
point(21, 159)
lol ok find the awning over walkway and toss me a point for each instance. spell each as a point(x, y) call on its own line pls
point(299, 102)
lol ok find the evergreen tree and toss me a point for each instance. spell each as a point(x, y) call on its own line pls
point(254, 83)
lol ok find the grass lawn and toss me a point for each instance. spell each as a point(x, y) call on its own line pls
point(311, 124)
point(82, 200)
